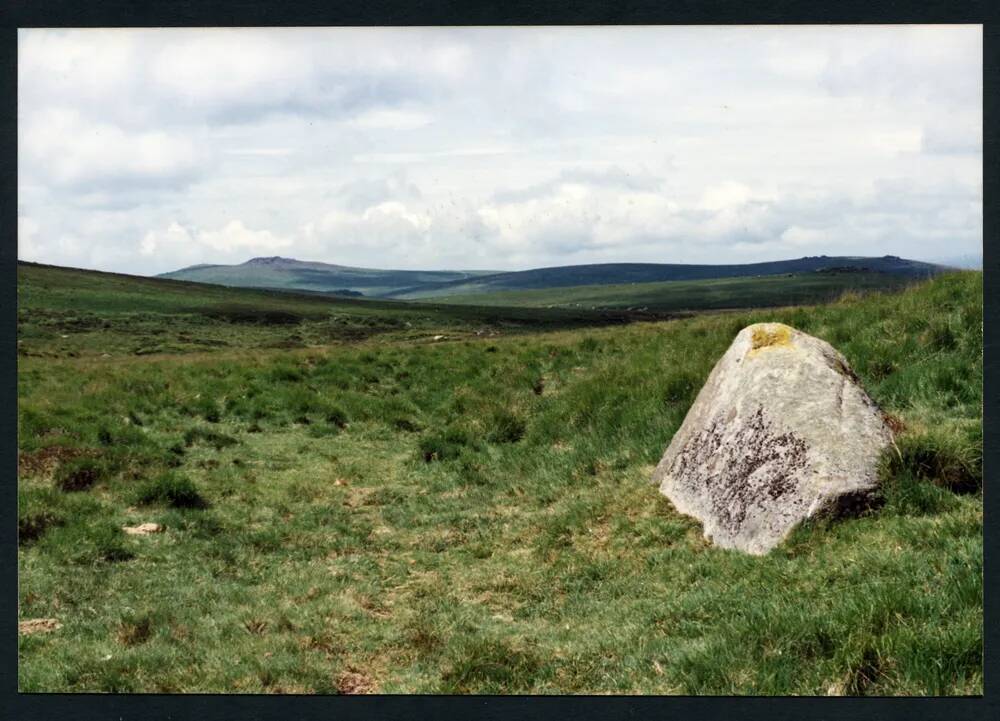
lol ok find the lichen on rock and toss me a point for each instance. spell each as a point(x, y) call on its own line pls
point(770, 335)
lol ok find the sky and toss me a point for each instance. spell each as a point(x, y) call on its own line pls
point(147, 150)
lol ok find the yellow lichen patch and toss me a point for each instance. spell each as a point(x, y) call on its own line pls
point(770, 335)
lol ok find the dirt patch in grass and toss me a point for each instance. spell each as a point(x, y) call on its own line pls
point(45, 460)
point(135, 632)
point(864, 674)
point(79, 475)
point(353, 681)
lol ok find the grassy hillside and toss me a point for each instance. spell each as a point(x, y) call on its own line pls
point(475, 516)
point(759, 292)
point(625, 273)
point(66, 312)
point(289, 273)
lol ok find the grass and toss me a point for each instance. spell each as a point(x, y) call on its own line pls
point(475, 516)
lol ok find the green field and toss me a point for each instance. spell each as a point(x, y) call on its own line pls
point(679, 295)
point(352, 507)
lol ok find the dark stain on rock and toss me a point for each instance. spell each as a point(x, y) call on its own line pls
point(742, 469)
point(845, 370)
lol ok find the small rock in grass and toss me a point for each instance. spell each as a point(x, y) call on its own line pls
point(143, 529)
point(37, 625)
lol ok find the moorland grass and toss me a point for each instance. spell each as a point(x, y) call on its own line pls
point(70, 313)
point(475, 516)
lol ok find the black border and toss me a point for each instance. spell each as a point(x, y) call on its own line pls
point(101, 13)
point(124, 13)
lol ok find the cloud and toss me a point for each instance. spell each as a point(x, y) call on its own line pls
point(226, 68)
point(380, 228)
point(361, 194)
point(234, 237)
point(429, 155)
point(143, 150)
point(390, 119)
point(266, 152)
point(953, 138)
point(67, 150)
point(137, 77)
point(611, 177)
point(28, 247)
point(910, 64)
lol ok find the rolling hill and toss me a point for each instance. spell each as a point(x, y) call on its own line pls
point(287, 274)
point(691, 295)
point(621, 273)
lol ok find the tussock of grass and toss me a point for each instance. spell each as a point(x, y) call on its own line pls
point(171, 489)
point(86, 541)
point(490, 666)
point(36, 513)
point(439, 525)
point(950, 457)
point(445, 445)
point(504, 427)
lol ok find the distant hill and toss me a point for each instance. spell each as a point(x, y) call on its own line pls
point(762, 291)
point(288, 273)
point(621, 273)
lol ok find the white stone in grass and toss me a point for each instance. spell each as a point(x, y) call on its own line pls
point(143, 529)
point(37, 625)
point(781, 431)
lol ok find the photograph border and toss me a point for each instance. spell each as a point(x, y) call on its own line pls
point(121, 13)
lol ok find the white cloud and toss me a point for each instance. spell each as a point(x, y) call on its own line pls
point(267, 152)
point(67, 149)
point(234, 235)
point(144, 150)
point(28, 247)
point(390, 119)
point(229, 241)
point(905, 140)
point(212, 70)
point(798, 236)
point(73, 68)
point(727, 195)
